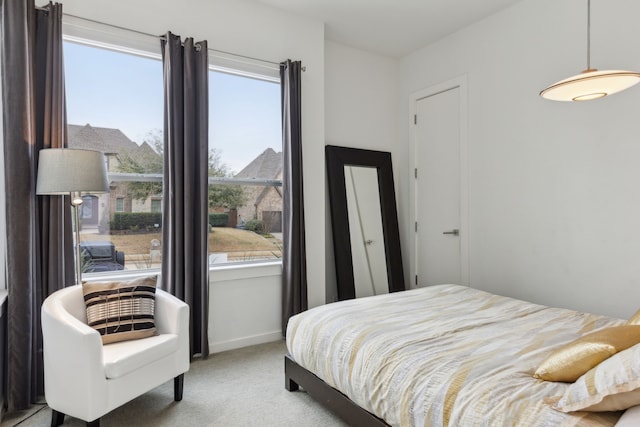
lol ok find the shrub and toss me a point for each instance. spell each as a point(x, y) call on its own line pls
point(136, 220)
point(218, 219)
point(254, 225)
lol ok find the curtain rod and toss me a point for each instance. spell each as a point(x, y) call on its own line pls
point(163, 37)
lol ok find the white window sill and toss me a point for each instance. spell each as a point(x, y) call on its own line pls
point(225, 272)
point(217, 273)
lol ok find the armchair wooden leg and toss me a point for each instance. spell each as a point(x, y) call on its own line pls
point(178, 385)
point(57, 418)
point(94, 423)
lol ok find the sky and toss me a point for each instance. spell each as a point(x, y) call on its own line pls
point(124, 91)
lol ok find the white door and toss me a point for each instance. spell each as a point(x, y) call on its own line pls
point(437, 189)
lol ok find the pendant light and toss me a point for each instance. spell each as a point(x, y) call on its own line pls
point(591, 83)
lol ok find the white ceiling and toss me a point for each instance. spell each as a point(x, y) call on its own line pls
point(391, 27)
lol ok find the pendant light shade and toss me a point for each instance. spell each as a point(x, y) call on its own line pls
point(591, 83)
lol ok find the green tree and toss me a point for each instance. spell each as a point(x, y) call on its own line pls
point(155, 140)
point(140, 162)
point(223, 196)
point(144, 161)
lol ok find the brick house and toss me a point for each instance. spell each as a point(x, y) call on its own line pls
point(264, 202)
point(100, 209)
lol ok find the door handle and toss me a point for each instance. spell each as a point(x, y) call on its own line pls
point(454, 232)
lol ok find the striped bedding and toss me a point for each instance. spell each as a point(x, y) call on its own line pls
point(444, 355)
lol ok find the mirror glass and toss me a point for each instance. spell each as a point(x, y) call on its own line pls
point(364, 222)
point(365, 229)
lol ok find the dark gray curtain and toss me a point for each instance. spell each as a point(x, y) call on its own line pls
point(39, 238)
point(294, 264)
point(185, 267)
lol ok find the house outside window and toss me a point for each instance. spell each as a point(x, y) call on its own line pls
point(120, 204)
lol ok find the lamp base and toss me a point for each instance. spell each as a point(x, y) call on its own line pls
point(76, 201)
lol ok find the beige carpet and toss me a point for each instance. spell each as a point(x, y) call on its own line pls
point(242, 387)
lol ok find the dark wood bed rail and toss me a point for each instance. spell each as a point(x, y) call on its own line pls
point(295, 376)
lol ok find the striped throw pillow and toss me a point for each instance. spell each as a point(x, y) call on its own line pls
point(121, 311)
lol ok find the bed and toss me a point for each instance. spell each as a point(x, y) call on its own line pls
point(443, 355)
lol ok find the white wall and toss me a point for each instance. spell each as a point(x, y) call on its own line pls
point(361, 93)
point(258, 31)
point(554, 206)
point(245, 306)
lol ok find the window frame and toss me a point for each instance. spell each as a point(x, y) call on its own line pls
point(155, 209)
point(119, 208)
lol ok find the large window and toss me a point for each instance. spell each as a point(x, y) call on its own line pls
point(115, 105)
point(245, 168)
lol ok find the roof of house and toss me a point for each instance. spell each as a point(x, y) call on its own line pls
point(145, 151)
point(107, 140)
point(267, 165)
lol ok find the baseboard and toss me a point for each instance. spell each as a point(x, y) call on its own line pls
point(218, 347)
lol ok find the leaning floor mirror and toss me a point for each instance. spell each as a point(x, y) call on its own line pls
point(364, 219)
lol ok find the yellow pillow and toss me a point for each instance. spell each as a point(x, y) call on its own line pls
point(635, 319)
point(568, 363)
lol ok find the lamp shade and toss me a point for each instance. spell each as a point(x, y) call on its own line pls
point(67, 170)
point(591, 84)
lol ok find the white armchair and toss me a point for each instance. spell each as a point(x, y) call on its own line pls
point(86, 379)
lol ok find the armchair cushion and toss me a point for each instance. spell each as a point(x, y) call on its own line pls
point(121, 311)
point(121, 358)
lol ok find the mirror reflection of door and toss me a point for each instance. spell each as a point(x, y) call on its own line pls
point(365, 227)
point(89, 212)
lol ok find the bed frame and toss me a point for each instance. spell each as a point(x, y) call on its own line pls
point(296, 376)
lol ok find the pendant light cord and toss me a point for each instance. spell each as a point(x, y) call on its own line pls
point(588, 34)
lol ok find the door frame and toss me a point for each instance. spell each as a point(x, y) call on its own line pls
point(461, 83)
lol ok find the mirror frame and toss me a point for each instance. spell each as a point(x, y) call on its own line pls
point(337, 158)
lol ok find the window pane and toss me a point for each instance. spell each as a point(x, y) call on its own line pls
point(156, 205)
point(245, 144)
point(114, 104)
